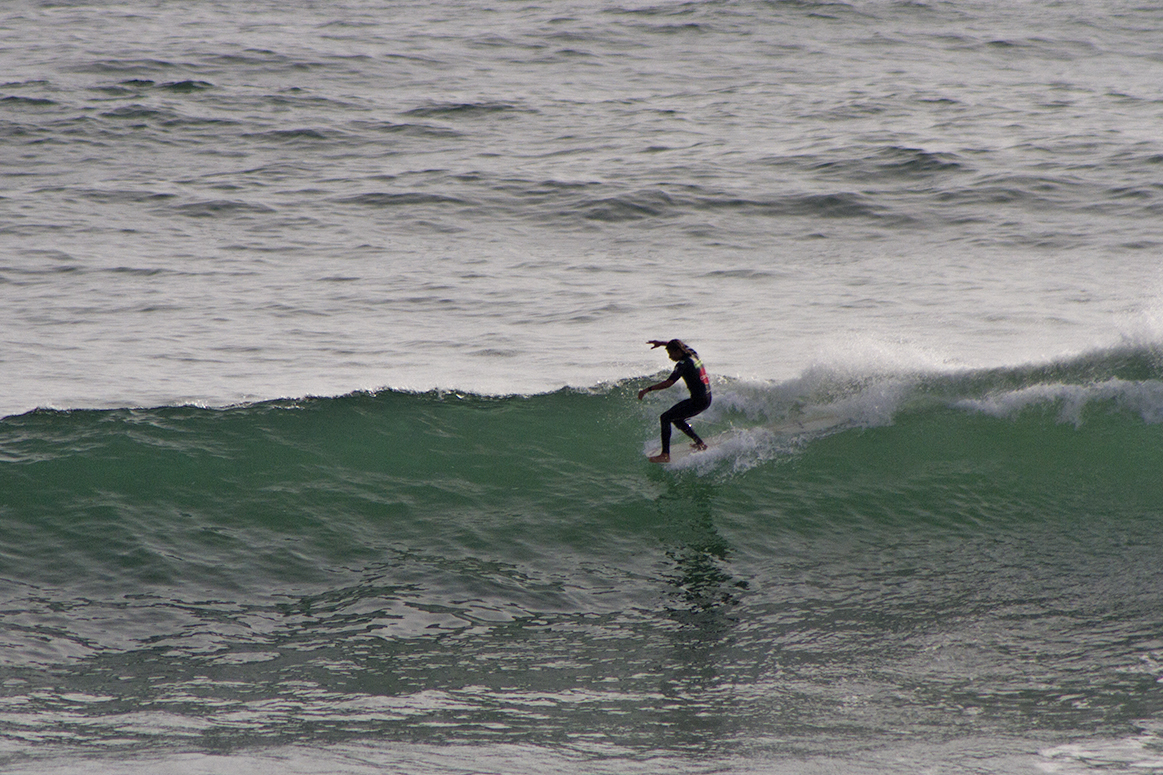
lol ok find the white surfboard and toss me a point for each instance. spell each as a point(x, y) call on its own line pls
point(683, 449)
point(680, 448)
point(810, 424)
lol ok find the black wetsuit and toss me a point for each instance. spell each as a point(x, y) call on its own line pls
point(691, 370)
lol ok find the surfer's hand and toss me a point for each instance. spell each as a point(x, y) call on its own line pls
point(642, 392)
point(656, 343)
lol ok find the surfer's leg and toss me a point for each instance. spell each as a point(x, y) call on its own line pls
point(682, 426)
point(678, 415)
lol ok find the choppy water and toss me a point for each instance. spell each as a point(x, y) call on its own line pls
point(211, 203)
point(454, 225)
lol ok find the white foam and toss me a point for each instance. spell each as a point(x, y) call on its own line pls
point(1140, 753)
point(1144, 398)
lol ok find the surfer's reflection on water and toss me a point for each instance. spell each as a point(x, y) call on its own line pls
point(700, 614)
point(703, 585)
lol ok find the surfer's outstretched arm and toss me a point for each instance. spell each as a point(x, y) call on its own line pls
point(660, 386)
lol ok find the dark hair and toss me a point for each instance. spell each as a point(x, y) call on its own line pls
point(678, 345)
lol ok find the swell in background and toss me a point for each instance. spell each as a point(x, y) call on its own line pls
point(217, 204)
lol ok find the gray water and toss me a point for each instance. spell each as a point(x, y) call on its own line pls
point(880, 205)
point(213, 203)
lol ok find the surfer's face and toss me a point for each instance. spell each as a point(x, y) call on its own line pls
point(675, 355)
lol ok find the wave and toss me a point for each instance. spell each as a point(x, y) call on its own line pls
point(447, 512)
point(1052, 415)
point(465, 109)
point(26, 102)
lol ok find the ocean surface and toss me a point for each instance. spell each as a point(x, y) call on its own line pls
point(321, 329)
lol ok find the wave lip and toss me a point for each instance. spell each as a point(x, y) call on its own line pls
point(1144, 398)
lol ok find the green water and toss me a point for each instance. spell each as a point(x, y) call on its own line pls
point(971, 555)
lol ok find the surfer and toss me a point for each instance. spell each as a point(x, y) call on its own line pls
point(690, 369)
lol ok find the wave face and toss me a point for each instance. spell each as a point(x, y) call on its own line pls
point(958, 554)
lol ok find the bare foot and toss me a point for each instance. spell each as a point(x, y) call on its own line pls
point(698, 446)
point(661, 458)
